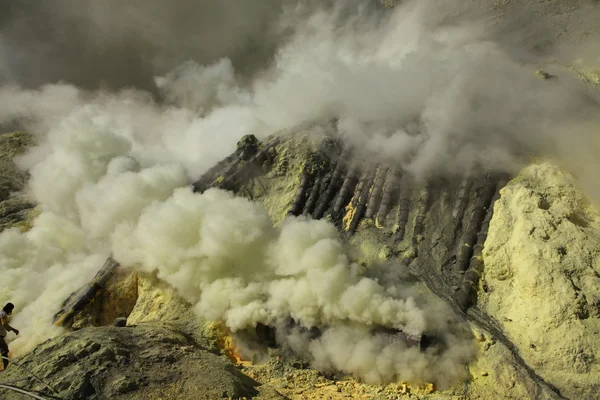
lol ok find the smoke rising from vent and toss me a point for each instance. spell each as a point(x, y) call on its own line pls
point(112, 168)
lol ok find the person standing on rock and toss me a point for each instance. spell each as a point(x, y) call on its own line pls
point(4, 329)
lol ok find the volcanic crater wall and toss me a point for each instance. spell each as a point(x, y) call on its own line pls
point(437, 227)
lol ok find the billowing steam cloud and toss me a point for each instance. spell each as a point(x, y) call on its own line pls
point(239, 269)
point(224, 256)
point(112, 169)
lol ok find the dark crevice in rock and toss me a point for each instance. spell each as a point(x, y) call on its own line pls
point(465, 296)
point(298, 203)
point(334, 183)
point(317, 181)
point(361, 200)
point(403, 211)
point(484, 194)
point(579, 220)
point(388, 192)
point(461, 198)
point(312, 198)
point(421, 213)
point(350, 182)
point(376, 193)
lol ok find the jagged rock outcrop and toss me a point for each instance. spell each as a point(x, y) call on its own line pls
point(117, 299)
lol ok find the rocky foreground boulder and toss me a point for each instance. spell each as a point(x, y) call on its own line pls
point(147, 361)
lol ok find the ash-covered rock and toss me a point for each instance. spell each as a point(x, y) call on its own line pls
point(141, 362)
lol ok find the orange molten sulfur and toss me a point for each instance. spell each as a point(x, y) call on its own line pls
point(227, 344)
point(231, 351)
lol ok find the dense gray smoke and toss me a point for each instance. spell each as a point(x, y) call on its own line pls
point(113, 44)
point(415, 86)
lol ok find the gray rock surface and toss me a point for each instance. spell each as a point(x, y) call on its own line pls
point(147, 361)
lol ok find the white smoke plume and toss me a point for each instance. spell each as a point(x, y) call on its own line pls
point(112, 169)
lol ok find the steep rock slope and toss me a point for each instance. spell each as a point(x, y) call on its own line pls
point(542, 277)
